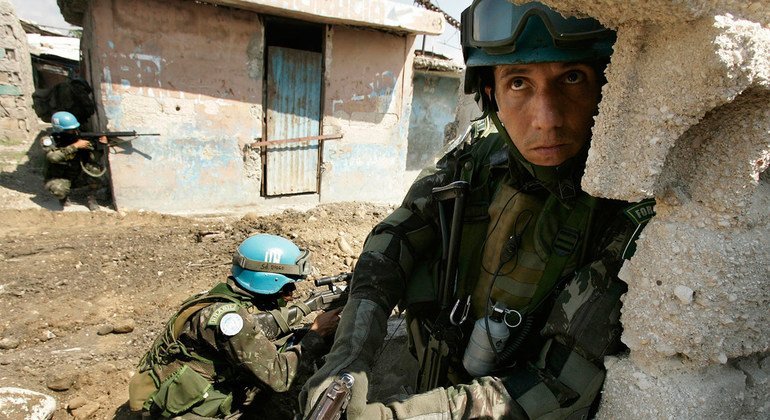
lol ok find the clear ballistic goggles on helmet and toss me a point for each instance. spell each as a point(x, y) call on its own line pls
point(301, 267)
point(495, 25)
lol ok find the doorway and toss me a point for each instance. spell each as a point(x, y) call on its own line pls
point(293, 98)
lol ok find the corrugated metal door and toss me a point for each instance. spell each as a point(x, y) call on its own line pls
point(293, 111)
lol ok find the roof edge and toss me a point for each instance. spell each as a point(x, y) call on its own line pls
point(379, 14)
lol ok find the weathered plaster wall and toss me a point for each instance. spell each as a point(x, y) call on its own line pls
point(192, 73)
point(434, 106)
point(17, 119)
point(685, 118)
point(368, 100)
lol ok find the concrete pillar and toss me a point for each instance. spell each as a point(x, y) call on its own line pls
point(17, 119)
point(685, 118)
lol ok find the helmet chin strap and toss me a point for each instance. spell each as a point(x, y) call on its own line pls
point(559, 180)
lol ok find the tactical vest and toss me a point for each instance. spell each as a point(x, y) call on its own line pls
point(174, 379)
point(544, 246)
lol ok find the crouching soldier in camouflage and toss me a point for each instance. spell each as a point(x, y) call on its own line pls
point(215, 360)
point(512, 307)
point(68, 158)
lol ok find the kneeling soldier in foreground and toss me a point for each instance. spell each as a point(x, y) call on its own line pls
point(215, 360)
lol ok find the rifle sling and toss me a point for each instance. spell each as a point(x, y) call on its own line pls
point(281, 317)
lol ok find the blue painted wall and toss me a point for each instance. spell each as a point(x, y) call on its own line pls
point(433, 107)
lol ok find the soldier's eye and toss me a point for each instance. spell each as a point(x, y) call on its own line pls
point(575, 76)
point(517, 83)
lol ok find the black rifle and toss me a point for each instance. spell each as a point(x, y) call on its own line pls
point(444, 332)
point(334, 400)
point(112, 136)
point(279, 321)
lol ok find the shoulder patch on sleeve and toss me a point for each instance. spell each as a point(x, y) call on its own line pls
point(231, 324)
point(216, 316)
point(47, 142)
point(641, 212)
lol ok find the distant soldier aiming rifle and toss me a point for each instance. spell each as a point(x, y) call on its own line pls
point(71, 155)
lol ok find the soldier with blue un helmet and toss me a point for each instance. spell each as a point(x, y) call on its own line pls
point(70, 158)
point(516, 319)
point(214, 360)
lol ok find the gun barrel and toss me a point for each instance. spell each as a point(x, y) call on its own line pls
point(325, 281)
point(115, 134)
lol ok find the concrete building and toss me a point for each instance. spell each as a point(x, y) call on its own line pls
point(55, 56)
point(222, 80)
point(433, 121)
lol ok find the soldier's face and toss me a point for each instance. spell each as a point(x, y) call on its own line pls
point(287, 296)
point(547, 108)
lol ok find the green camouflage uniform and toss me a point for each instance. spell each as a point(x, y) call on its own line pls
point(211, 372)
point(63, 164)
point(569, 327)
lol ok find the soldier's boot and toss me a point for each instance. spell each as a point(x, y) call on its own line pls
point(91, 203)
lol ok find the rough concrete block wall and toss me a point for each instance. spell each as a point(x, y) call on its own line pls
point(17, 119)
point(685, 118)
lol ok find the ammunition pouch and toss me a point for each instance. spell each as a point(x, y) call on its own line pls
point(183, 390)
point(173, 381)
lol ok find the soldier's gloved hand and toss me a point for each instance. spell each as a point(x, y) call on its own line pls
point(484, 398)
point(357, 405)
point(359, 337)
point(356, 408)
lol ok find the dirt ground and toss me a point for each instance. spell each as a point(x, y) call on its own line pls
point(71, 277)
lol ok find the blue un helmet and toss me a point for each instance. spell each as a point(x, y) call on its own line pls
point(63, 120)
point(264, 264)
point(499, 32)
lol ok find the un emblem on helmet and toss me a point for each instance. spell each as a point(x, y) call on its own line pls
point(273, 255)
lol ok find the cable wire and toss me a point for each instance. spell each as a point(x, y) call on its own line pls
point(430, 6)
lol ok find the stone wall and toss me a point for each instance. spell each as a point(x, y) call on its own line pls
point(685, 119)
point(17, 119)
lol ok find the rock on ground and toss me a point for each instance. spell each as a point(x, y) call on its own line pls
point(23, 404)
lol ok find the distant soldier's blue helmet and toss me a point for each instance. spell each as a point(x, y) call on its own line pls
point(264, 264)
point(63, 120)
point(495, 32)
